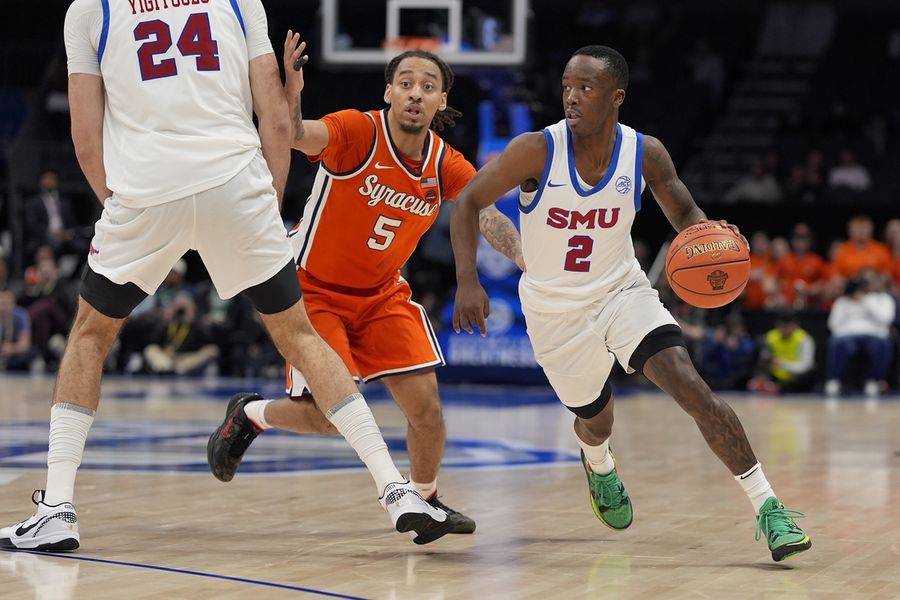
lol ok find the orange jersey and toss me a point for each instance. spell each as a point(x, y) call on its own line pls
point(809, 268)
point(763, 270)
point(850, 259)
point(370, 204)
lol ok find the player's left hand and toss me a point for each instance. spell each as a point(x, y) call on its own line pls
point(293, 60)
point(730, 226)
point(472, 307)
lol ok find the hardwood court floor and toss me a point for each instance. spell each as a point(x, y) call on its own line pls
point(300, 521)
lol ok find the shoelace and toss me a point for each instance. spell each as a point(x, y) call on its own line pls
point(436, 503)
point(241, 432)
point(778, 521)
point(612, 491)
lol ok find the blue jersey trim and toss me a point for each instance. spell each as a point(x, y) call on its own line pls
point(544, 176)
point(104, 33)
point(610, 170)
point(240, 17)
point(638, 161)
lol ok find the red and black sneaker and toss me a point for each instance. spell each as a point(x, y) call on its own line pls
point(228, 443)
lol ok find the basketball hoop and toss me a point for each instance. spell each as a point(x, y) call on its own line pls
point(409, 42)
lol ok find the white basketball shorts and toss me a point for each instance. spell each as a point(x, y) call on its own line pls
point(235, 227)
point(577, 349)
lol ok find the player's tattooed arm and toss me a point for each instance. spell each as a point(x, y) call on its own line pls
point(501, 234)
point(670, 192)
point(298, 121)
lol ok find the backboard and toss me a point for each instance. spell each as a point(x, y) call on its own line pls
point(462, 32)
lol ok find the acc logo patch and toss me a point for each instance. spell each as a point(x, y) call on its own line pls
point(623, 184)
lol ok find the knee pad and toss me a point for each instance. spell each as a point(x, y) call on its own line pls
point(110, 299)
point(278, 293)
point(660, 338)
point(589, 411)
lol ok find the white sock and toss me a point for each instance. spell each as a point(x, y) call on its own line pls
point(69, 427)
point(598, 457)
point(352, 417)
point(256, 412)
point(425, 489)
point(756, 486)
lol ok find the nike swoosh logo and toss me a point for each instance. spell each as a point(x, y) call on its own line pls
point(23, 530)
point(381, 166)
point(551, 184)
point(749, 474)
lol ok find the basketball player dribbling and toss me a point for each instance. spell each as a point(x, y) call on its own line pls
point(164, 134)
point(587, 303)
point(382, 177)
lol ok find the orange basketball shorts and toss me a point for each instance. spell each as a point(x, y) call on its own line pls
point(377, 332)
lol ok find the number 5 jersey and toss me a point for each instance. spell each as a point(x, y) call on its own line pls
point(370, 204)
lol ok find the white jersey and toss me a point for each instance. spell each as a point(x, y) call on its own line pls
point(576, 239)
point(179, 113)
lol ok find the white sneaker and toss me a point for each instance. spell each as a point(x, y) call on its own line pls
point(872, 389)
point(832, 388)
point(410, 512)
point(52, 528)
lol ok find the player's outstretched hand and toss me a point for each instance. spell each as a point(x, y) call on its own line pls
point(730, 226)
point(293, 59)
point(472, 308)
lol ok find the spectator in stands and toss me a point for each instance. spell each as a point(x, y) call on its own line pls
point(708, 69)
point(5, 282)
point(180, 343)
point(49, 221)
point(860, 323)
point(892, 240)
point(725, 353)
point(849, 174)
point(860, 251)
point(763, 282)
point(787, 358)
point(139, 328)
point(803, 273)
point(758, 186)
point(15, 335)
point(51, 303)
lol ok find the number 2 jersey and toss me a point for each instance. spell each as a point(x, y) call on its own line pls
point(179, 114)
point(370, 204)
point(576, 238)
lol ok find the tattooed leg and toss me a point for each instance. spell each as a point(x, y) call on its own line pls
point(672, 371)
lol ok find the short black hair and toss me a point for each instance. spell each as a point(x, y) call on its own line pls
point(615, 62)
point(445, 118)
point(443, 67)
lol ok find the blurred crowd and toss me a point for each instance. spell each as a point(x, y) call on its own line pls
point(817, 315)
point(807, 321)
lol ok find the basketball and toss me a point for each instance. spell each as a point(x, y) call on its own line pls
point(708, 265)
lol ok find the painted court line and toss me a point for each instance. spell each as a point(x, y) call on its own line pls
point(282, 586)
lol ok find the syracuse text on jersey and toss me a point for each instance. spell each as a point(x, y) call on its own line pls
point(378, 192)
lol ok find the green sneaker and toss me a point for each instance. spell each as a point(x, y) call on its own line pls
point(777, 523)
point(609, 499)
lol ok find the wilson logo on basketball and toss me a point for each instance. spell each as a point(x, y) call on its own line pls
point(716, 246)
point(717, 279)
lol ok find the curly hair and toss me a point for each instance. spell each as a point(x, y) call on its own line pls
point(446, 117)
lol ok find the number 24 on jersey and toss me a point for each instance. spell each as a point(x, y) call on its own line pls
point(195, 40)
